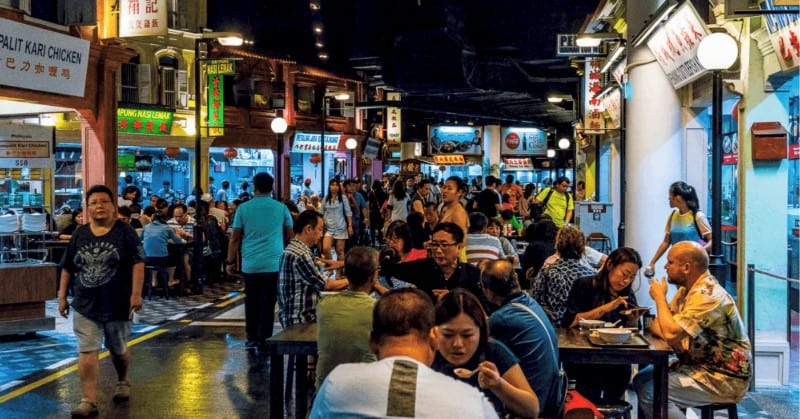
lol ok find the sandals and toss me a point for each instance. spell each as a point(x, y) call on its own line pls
point(84, 409)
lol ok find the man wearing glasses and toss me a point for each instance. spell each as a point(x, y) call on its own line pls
point(441, 271)
point(105, 260)
point(559, 205)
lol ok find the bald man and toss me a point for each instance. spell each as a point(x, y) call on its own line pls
point(703, 326)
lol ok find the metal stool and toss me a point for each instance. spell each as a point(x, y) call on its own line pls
point(707, 411)
point(162, 276)
point(601, 239)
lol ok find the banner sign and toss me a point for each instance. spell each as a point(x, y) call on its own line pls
point(567, 46)
point(142, 18)
point(216, 106)
point(449, 159)
point(518, 164)
point(448, 139)
point(784, 31)
point(611, 103)
point(309, 143)
point(394, 122)
point(675, 44)
point(42, 60)
point(526, 141)
point(144, 121)
point(224, 67)
point(372, 146)
point(593, 120)
point(26, 146)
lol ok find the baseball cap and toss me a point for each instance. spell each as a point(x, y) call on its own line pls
point(308, 180)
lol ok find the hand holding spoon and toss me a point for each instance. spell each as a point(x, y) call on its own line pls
point(464, 373)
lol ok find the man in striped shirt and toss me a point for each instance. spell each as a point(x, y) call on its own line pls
point(480, 244)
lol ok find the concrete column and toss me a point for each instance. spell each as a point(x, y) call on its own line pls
point(653, 157)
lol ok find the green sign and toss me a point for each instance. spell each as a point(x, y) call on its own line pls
point(216, 105)
point(144, 121)
point(226, 67)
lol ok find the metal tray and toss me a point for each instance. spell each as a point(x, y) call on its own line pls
point(636, 341)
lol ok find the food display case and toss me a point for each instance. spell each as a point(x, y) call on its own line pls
point(27, 280)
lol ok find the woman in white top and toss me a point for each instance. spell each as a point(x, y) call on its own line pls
point(398, 201)
point(338, 219)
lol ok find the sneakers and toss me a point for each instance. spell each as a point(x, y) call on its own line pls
point(122, 392)
point(84, 409)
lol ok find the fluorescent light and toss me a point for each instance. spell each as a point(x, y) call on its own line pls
point(655, 23)
point(341, 96)
point(555, 99)
point(588, 41)
point(617, 52)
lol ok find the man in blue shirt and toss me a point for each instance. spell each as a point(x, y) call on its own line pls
point(262, 227)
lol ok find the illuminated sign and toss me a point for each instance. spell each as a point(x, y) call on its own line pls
point(567, 46)
point(309, 143)
point(216, 106)
point(26, 145)
point(448, 139)
point(144, 121)
point(675, 44)
point(518, 164)
point(225, 67)
point(593, 120)
point(523, 141)
point(449, 159)
point(394, 120)
point(142, 18)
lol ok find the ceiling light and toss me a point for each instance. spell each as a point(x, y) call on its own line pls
point(551, 153)
point(278, 125)
point(613, 58)
point(341, 96)
point(228, 39)
point(563, 143)
point(595, 39)
point(317, 28)
point(314, 4)
point(661, 16)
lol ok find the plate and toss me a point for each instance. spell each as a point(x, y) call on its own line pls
point(636, 341)
point(447, 147)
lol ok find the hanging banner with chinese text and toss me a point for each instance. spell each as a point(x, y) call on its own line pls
point(393, 120)
point(593, 120)
point(142, 18)
point(216, 105)
point(42, 60)
point(517, 164)
point(784, 32)
point(449, 159)
point(675, 44)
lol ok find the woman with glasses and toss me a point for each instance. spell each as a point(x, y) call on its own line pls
point(442, 271)
point(462, 334)
point(400, 240)
point(603, 297)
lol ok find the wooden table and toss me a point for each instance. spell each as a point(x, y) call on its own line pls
point(573, 347)
point(297, 341)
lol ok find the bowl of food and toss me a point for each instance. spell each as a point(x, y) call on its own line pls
point(591, 324)
point(615, 335)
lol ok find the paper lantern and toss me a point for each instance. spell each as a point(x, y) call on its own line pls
point(172, 152)
point(230, 153)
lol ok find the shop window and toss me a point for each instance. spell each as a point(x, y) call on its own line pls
point(261, 94)
point(173, 85)
point(305, 99)
point(135, 82)
point(178, 14)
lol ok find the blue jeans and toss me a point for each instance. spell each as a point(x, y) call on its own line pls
point(261, 294)
point(683, 392)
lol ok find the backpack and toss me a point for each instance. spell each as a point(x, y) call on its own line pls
point(538, 209)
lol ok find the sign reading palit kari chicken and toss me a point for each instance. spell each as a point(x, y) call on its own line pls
point(675, 44)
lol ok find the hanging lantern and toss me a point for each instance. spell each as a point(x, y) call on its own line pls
point(315, 159)
point(172, 152)
point(230, 153)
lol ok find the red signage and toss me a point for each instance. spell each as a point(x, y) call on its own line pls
point(512, 140)
point(794, 151)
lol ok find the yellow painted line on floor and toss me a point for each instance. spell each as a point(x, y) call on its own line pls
point(229, 302)
point(55, 376)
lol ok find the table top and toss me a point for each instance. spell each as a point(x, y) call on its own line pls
point(573, 345)
point(298, 339)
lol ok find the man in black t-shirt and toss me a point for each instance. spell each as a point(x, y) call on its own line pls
point(105, 263)
point(487, 201)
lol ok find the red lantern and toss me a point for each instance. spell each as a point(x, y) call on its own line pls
point(315, 158)
point(172, 152)
point(230, 153)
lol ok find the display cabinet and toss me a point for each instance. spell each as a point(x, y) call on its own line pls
point(26, 282)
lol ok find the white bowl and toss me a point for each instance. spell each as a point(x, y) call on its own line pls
point(614, 335)
point(591, 324)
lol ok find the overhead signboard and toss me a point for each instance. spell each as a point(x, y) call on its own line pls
point(449, 159)
point(142, 18)
point(225, 67)
point(394, 121)
point(450, 139)
point(527, 141)
point(372, 146)
point(42, 60)
point(144, 121)
point(593, 120)
point(216, 105)
point(784, 31)
point(516, 164)
point(309, 143)
point(567, 46)
point(675, 43)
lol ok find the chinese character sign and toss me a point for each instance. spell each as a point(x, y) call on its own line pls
point(393, 120)
point(675, 44)
point(42, 60)
point(142, 18)
point(594, 122)
point(216, 105)
point(784, 33)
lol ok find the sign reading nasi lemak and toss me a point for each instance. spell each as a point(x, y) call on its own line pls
point(42, 60)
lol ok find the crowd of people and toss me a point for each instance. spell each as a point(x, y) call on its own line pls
point(431, 283)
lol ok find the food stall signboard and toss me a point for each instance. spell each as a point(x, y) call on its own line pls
point(42, 60)
point(518, 164)
point(144, 121)
point(783, 29)
point(593, 118)
point(449, 159)
point(26, 146)
point(525, 141)
point(143, 18)
point(308, 143)
point(394, 120)
point(675, 44)
point(567, 46)
point(216, 107)
point(451, 139)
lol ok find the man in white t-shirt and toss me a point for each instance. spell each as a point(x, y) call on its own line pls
point(401, 383)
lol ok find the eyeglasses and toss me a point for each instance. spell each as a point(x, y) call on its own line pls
point(439, 245)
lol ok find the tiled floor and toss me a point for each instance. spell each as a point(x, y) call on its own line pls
point(24, 355)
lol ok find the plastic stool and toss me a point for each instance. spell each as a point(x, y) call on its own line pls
point(707, 411)
point(162, 276)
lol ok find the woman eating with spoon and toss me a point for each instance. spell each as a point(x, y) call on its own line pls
point(466, 352)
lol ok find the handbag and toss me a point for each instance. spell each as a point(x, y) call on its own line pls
point(554, 405)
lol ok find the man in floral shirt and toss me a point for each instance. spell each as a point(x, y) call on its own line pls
point(703, 326)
